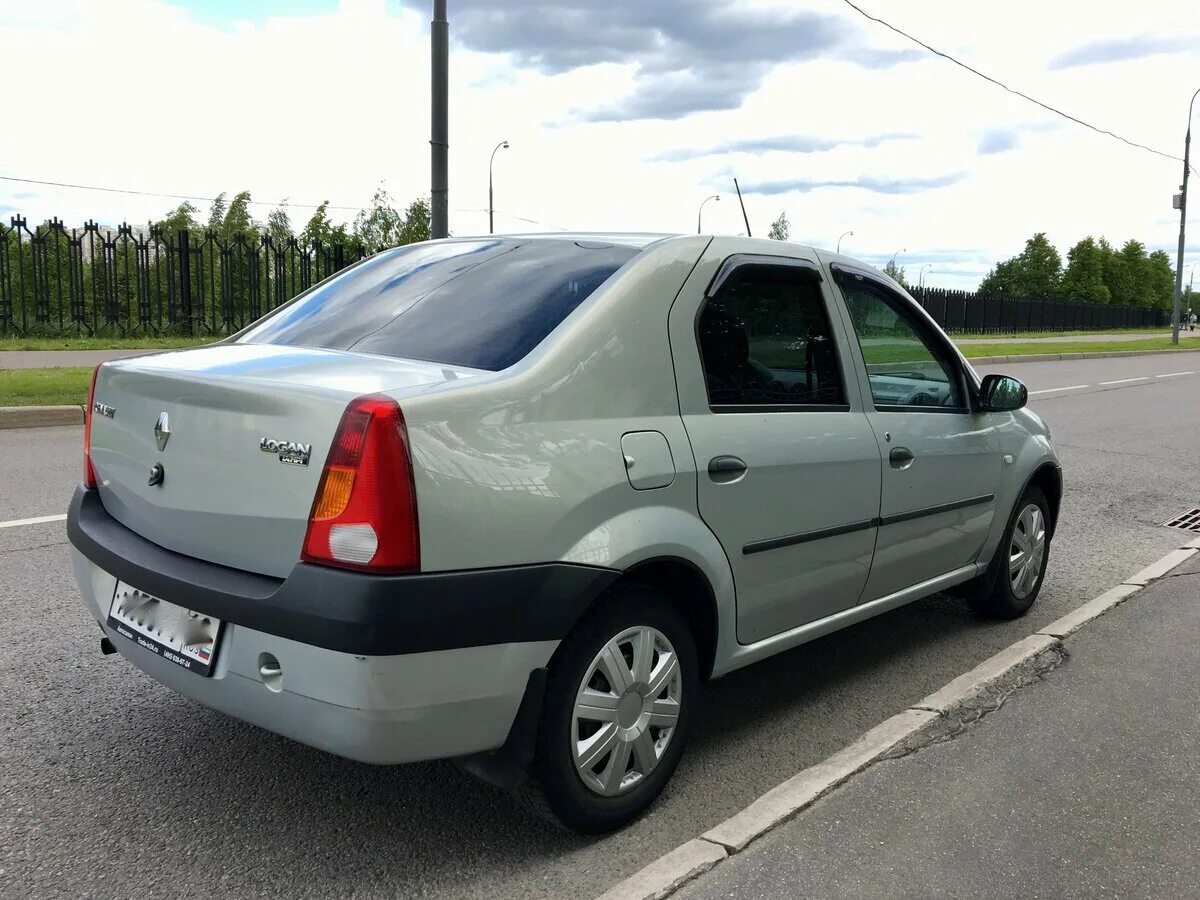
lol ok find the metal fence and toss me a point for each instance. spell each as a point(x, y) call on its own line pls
point(975, 313)
point(145, 282)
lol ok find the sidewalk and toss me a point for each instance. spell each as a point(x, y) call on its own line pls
point(55, 359)
point(1085, 784)
point(1097, 338)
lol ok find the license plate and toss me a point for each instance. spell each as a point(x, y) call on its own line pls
point(182, 636)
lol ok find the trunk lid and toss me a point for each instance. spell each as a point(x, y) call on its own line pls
point(247, 430)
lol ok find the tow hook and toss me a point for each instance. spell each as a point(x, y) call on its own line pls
point(106, 646)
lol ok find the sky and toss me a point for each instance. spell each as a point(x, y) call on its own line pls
point(620, 115)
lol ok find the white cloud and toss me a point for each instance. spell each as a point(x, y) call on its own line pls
point(137, 94)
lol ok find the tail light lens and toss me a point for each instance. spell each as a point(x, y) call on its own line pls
point(364, 515)
point(89, 473)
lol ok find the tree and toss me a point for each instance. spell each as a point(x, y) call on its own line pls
point(1161, 278)
point(1138, 266)
point(1004, 278)
point(279, 226)
point(416, 223)
point(237, 218)
point(381, 224)
point(183, 216)
point(216, 213)
point(320, 230)
point(1117, 277)
point(1035, 272)
point(896, 273)
point(780, 228)
point(1084, 277)
point(1042, 267)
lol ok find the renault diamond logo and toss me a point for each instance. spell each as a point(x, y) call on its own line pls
point(162, 431)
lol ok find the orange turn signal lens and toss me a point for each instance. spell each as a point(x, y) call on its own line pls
point(336, 486)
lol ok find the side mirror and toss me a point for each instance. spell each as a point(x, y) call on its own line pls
point(1002, 393)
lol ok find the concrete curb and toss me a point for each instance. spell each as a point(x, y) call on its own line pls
point(801, 790)
point(665, 874)
point(1067, 357)
point(901, 733)
point(39, 416)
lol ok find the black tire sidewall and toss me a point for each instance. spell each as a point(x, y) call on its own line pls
point(571, 801)
point(1003, 601)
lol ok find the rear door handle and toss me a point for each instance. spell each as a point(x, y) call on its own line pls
point(725, 468)
point(900, 457)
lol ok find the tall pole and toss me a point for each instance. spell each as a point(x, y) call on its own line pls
point(491, 207)
point(439, 139)
point(1187, 147)
point(700, 211)
point(921, 280)
point(897, 253)
point(843, 234)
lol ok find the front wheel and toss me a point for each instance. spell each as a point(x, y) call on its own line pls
point(619, 696)
point(1017, 571)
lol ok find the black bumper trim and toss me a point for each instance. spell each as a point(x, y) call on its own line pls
point(350, 612)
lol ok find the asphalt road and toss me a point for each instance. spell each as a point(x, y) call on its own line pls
point(110, 785)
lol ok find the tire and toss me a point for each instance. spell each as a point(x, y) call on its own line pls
point(629, 614)
point(1009, 588)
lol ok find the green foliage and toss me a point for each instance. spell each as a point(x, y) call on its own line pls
point(183, 216)
point(279, 226)
point(1096, 272)
point(1160, 276)
point(216, 212)
point(780, 228)
point(1084, 276)
point(416, 222)
point(1036, 272)
point(895, 272)
point(237, 219)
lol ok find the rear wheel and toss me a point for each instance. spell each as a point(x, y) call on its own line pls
point(1015, 576)
point(619, 695)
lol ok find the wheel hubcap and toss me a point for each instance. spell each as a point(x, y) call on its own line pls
point(1027, 552)
point(626, 710)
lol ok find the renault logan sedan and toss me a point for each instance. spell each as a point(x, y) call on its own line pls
point(514, 500)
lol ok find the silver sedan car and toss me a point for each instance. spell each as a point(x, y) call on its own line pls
point(514, 500)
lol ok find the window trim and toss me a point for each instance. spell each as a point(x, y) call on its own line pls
point(728, 267)
point(922, 327)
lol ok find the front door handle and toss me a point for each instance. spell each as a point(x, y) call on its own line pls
point(726, 468)
point(900, 458)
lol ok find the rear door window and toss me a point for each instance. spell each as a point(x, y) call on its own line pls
point(481, 304)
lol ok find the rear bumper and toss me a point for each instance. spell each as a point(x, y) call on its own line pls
point(351, 612)
point(436, 691)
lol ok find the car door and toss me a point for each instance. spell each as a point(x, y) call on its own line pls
point(940, 461)
point(788, 469)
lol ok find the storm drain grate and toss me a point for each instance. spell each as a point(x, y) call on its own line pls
point(1188, 521)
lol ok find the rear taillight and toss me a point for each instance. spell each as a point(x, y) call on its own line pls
point(89, 473)
point(364, 515)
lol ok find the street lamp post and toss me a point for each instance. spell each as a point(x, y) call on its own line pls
point(842, 235)
point(1187, 147)
point(700, 211)
point(892, 262)
point(491, 209)
point(921, 277)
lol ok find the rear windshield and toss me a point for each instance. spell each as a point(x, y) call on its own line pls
point(481, 304)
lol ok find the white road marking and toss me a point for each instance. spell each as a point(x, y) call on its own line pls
point(37, 520)
point(1127, 380)
point(1074, 387)
point(1173, 374)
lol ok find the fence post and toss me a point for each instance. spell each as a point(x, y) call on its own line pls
point(185, 279)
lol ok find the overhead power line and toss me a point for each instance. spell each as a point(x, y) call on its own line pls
point(1000, 84)
point(109, 190)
